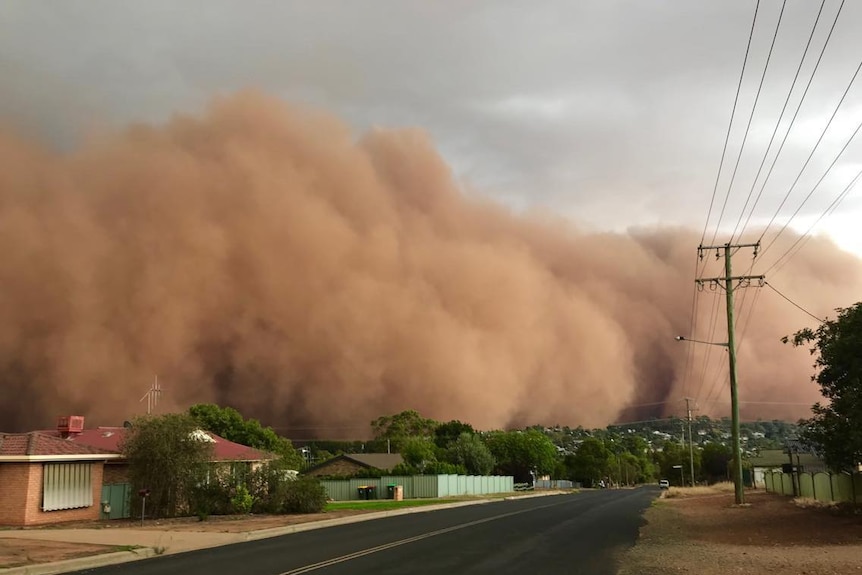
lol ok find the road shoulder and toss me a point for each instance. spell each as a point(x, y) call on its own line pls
point(709, 535)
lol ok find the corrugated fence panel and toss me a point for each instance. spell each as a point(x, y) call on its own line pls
point(786, 484)
point(66, 486)
point(420, 486)
point(806, 485)
point(822, 487)
point(425, 486)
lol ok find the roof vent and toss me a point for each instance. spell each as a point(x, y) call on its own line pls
point(70, 425)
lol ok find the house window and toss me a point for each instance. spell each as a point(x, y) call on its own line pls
point(66, 486)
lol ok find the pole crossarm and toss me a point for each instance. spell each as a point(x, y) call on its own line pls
point(742, 281)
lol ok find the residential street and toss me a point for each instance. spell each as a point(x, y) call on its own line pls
point(578, 533)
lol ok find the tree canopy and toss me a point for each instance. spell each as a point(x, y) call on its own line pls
point(398, 427)
point(230, 424)
point(167, 458)
point(447, 433)
point(520, 452)
point(835, 429)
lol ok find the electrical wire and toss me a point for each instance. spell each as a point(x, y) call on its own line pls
point(796, 305)
point(730, 124)
point(805, 165)
point(750, 119)
point(746, 322)
point(712, 326)
point(808, 197)
point(775, 130)
point(692, 328)
point(803, 239)
point(796, 113)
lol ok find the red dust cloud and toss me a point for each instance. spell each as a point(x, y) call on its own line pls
point(261, 257)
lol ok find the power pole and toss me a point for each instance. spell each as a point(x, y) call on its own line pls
point(681, 466)
point(690, 446)
point(727, 250)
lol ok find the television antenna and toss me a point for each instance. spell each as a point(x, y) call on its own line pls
point(152, 396)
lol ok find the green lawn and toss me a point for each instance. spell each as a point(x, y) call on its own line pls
point(383, 504)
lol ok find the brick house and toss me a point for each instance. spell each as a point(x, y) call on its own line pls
point(69, 473)
point(46, 479)
point(352, 463)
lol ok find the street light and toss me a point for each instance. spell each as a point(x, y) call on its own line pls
point(683, 338)
point(738, 487)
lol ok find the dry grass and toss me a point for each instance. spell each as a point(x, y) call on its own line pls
point(700, 490)
point(809, 503)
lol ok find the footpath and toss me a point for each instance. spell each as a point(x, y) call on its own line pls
point(143, 543)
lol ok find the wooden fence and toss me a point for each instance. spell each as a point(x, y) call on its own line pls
point(822, 486)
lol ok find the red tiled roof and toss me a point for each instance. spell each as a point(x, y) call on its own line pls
point(41, 444)
point(110, 439)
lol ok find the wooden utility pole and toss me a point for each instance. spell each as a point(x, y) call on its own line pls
point(690, 444)
point(728, 250)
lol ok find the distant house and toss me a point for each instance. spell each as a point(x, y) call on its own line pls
point(352, 463)
point(770, 459)
point(71, 473)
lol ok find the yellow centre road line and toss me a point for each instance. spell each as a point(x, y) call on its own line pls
point(399, 543)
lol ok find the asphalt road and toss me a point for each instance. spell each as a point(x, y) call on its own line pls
point(578, 533)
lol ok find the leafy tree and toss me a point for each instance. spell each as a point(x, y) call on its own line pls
point(169, 457)
point(417, 451)
point(715, 459)
point(589, 463)
point(398, 427)
point(446, 433)
point(471, 452)
point(520, 452)
point(230, 424)
point(672, 454)
point(835, 429)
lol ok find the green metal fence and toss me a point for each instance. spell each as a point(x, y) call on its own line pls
point(822, 486)
point(417, 486)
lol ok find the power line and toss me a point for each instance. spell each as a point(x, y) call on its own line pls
point(795, 115)
point(716, 386)
point(692, 327)
point(801, 240)
point(730, 124)
point(823, 177)
point(750, 119)
point(777, 125)
point(796, 305)
point(805, 165)
point(712, 323)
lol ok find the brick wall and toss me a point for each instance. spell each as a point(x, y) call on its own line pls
point(14, 481)
point(116, 473)
point(21, 497)
point(34, 513)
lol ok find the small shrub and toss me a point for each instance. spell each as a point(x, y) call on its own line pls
point(210, 499)
point(304, 495)
point(242, 502)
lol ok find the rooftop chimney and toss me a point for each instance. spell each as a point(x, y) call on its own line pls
point(70, 425)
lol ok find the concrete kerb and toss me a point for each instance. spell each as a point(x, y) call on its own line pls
point(80, 563)
point(114, 558)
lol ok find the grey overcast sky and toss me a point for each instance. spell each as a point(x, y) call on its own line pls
point(612, 114)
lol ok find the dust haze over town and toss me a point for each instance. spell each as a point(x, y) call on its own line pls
point(318, 223)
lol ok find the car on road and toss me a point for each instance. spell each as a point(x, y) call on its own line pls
point(664, 484)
